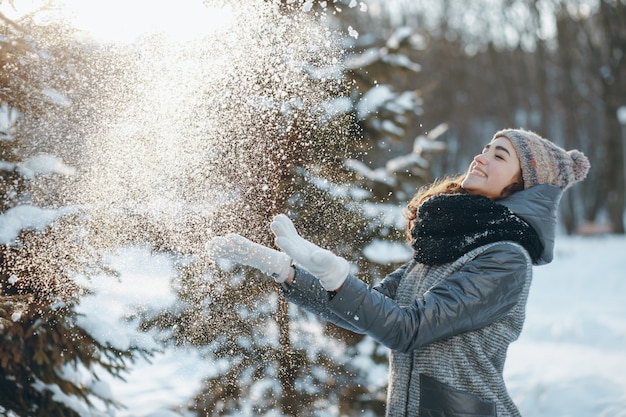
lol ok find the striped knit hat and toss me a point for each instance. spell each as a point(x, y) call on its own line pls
point(543, 162)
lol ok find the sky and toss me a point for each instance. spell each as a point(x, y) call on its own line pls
point(122, 21)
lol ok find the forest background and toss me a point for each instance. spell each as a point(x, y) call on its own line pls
point(332, 112)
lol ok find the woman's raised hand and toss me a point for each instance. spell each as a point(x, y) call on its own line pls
point(238, 249)
point(330, 269)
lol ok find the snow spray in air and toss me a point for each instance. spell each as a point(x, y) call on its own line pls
point(176, 141)
point(180, 130)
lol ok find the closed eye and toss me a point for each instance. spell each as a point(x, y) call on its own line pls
point(498, 149)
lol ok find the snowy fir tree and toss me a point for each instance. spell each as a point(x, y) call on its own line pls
point(50, 362)
point(295, 126)
point(278, 128)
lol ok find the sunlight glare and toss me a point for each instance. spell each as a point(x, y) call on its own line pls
point(125, 21)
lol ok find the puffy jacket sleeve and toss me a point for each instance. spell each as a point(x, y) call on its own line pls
point(308, 293)
point(389, 285)
point(478, 294)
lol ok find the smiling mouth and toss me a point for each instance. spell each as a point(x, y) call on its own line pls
point(476, 171)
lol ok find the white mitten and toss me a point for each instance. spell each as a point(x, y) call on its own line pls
point(238, 249)
point(330, 269)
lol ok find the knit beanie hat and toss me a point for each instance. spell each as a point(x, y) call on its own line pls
point(543, 162)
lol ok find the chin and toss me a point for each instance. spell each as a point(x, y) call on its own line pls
point(467, 184)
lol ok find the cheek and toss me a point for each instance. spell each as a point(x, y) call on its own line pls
point(515, 177)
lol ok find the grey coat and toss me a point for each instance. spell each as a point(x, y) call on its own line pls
point(448, 326)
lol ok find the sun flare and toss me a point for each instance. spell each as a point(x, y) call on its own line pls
point(124, 21)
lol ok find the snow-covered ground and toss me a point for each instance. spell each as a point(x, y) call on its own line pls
point(569, 362)
point(571, 358)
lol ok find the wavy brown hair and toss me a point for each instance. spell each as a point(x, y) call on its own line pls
point(447, 185)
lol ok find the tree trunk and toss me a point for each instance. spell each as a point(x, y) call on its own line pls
point(287, 363)
point(613, 15)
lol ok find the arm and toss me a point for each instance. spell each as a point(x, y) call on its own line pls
point(389, 285)
point(480, 293)
point(299, 286)
point(307, 292)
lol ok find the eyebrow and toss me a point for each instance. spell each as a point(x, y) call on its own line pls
point(499, 148)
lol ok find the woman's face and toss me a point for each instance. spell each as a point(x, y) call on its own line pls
point(493, 170)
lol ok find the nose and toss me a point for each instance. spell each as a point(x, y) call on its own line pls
point(480, 158)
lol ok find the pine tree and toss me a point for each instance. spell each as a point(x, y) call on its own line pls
point(278, 122)
point(289, 158)
point(49, 363)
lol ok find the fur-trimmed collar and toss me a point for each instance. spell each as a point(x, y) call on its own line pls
point(450, 225)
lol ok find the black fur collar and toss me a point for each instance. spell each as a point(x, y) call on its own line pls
point(450, 225)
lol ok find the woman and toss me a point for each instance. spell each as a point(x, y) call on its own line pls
point(449, 314)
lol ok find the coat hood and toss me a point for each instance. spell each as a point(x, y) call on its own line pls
point(538, 207)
